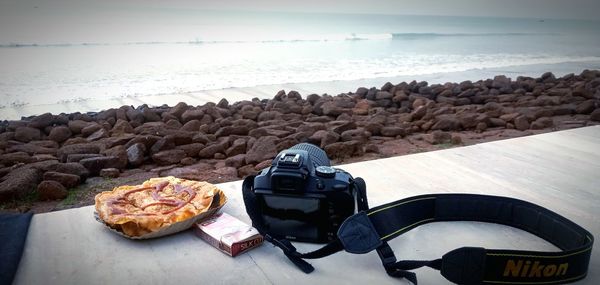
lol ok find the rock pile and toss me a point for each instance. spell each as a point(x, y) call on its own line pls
point(219, 142)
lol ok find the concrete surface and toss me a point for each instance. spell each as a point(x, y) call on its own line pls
point(559, 170)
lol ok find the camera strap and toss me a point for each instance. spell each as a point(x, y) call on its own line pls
point(370, 229)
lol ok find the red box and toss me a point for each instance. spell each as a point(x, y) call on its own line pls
point(228, 234)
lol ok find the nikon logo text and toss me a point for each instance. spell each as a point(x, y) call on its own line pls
point(527, 268)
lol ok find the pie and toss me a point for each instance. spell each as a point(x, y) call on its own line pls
point(156, 204)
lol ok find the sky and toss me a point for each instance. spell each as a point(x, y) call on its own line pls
point(55, 21)
point(561, 9)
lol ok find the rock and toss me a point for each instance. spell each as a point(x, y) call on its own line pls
point(41, 121)
point(548, 77)
point(586, 107)
point(121, 127)
point(342, 126)
point(236, 161)
point(135, 154)
point(323, 138)
point(223, 103)
point(15, 157)
point(97, 135)
point(232, 130)
point(45, 165)
point(119, 140)
point(542, 123)
point(51, 190)
point(135, 116)
point(383, 95)
point(191, 150)
point(79, 156)
point(262, 165)
point(210, 150)
point(192, 114)
point(90, 129)
point(392, 131)
point(19, 183)
point(110, 173)
point(188, 161)
point(73, 168)
point(268, 116)
point(177, 110)
point(497, 122)
point(595, 116)
point(77, 126)
point(27, 134)
point(361, 108)
point(237, 147)
point(95, 164)
point(167, 157)
point(456, 139)
point(263, 149)
point(67, 180)
point(194, 172)
point(419, 112)
point(60, 134)
point(32, 149)
point(438, 137)
point(150, 115)
point(120, 152)
point(191, 126)
point(355, 135)
point(521, 123)
point(77, 149)
point(446, 123)
point(343, 149)
point(165, 143)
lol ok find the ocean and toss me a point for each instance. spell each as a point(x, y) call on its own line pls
point(211, 50)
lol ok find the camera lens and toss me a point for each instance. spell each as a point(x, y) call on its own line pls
point(317, 155)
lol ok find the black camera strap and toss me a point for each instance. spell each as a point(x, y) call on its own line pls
point(370, 229)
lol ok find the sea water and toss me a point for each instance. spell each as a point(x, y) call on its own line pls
point(216, 49)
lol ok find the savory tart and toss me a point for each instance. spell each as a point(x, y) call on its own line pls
point(156, 204)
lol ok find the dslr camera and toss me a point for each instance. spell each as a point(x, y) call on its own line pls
point(301, 197)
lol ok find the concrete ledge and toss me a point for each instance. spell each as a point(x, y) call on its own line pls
point(558, 170)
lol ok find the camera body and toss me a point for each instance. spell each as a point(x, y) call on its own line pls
point(300, 197)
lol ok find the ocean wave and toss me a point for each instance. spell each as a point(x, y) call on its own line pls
point(281, 39)
point(439, 35)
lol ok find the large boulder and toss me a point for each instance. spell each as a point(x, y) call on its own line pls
point(210, 150)
point(73, 168)
point(446, 123)
point(27, 134)
point(95, 164)
point(60, 134)
point(65, 151)
point(121, 127)
point(167, 157)
point(135, 154)
point(32, 149)
point(343, 149)
point(19, 183)
point(15, 157)
point(41, 121)
point(264, 148)
point(51, 190)
point(76, 126)
point(67, 180)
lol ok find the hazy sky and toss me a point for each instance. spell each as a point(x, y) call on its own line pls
point(55, 21)
point(571, 9)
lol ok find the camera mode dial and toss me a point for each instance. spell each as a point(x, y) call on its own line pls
point(325, 171)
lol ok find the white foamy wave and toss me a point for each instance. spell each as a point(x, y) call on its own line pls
point(221, 40)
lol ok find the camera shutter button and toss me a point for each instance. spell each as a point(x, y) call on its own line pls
point(325, 171)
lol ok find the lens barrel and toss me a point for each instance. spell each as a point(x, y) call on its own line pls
point(317, 155)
